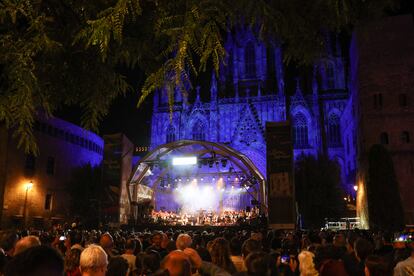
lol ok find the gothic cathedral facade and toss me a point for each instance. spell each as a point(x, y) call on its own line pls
point(250, 91)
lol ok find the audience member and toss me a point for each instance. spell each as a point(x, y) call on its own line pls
point(93, 261)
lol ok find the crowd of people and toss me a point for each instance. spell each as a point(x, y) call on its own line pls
point(203, 217)
point(210, 251)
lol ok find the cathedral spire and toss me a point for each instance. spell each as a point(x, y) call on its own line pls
point(198, 94)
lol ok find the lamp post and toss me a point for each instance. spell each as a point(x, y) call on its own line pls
point(28, 186)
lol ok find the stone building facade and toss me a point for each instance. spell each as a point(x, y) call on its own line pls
point(250, 91)
point(62, 147)
point(381, 105)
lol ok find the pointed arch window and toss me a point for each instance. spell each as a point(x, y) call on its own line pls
point(300, 131)
point(170, 134)
point(330, 75)
point(250, 60)
point(198, 131)
point(334, 130)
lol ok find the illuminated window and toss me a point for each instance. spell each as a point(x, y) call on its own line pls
point(330, 75)
point(300, 131)
point(334, 131)
point(250, 60)
point(198, 131)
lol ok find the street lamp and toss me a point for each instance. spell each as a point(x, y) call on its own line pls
point(28, 186)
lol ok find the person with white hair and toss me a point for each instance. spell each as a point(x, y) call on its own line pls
point(93, 261)
point(306, 264)
point(183, 241)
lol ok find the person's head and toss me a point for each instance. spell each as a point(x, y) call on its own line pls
point(377, 266)
point(350, 240)
point(339, 240)
point(257, 263)
point(220, 255)
point(148, 262)
point(93, 261)
point(195, 259)
point(36, 261)
point(156, 240)
point(72, 259)
point(250, 246)
point(183, 241)
point(235, 246)
point(362, 248)
point(117, 266)
point(130, 245)
point(106, 241)
point(306, 264)
point(75, 237)
point(164, 241)
point(8, 240)
point(26, 243)
point(177, 263)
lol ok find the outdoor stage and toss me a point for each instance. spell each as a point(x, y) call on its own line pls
point(195, 183)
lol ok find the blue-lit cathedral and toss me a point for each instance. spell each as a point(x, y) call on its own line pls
point(223, 123)
point(249, 92)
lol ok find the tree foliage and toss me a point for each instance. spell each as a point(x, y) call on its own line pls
point(384, 202)
point(56, 53)
point(318, 192)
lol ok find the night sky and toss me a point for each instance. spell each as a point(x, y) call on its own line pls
point(123, 116)
point(134, 122)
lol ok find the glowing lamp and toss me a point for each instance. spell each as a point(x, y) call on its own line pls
point(182, 161)
point(355, 188)
point(28, 186)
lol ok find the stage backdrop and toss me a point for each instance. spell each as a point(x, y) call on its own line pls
point(281, 192)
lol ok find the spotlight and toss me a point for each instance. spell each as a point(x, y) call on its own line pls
point(179, 179)
point(214, 179)
point(202, 179)
point(210, 163)
point(223, 163)
point(228, 178)
point(188, 179)
point(180, 161)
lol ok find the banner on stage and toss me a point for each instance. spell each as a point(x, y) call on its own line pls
point(281, 192)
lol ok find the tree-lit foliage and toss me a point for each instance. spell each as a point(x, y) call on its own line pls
point(384, 202)
point(55, 53)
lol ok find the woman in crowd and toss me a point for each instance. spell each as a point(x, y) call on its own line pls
point(220, 255)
